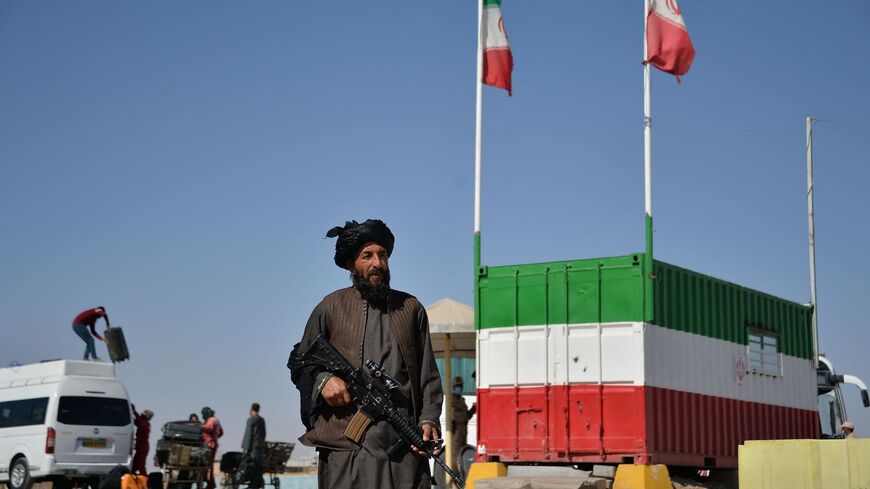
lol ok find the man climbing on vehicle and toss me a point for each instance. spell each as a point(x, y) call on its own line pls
point(88, 319)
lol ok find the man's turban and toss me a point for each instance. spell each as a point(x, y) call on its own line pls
point(353, 236)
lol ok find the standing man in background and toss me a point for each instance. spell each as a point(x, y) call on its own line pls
point(88, 319)
point(254, 444)
point(143, 432)
point(211, 431)
point(461, 415)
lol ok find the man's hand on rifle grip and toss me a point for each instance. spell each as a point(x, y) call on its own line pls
point(335, 392)
point(430, 433)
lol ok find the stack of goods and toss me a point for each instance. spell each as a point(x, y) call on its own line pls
point(181, 442)
point(199, 456)
point(188, 456)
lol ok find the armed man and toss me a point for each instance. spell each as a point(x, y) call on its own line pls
point(369, 321)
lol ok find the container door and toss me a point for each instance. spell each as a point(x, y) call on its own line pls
point(584, 361)
point(531, 402)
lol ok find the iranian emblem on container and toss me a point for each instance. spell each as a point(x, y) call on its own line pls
point(740, 368)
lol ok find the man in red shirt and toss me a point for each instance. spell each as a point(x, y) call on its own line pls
point(143, 431)
point(87, 319)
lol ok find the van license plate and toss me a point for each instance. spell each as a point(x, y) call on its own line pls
point(94, 443)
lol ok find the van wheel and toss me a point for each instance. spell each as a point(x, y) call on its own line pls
point(19, 474)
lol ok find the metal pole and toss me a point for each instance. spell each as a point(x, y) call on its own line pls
point(647, 174)
point(478, 156)
point(478, 137)
point(812, 237)
point(448, 396)
point(647, 123)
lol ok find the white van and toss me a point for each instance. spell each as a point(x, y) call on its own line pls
point(62, 420)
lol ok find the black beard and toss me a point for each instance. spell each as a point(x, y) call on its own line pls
point(374, 293)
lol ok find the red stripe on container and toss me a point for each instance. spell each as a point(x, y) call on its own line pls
point(592, 423)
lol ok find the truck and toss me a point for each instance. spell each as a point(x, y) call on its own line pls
point(832, 408)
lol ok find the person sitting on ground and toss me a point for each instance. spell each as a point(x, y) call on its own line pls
point(87, 319)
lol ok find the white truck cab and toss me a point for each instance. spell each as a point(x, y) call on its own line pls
point(832, 409)
point(62, 420)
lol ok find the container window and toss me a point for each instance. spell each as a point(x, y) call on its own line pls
point(93, 411)
point(23, 412)
point(764, 356)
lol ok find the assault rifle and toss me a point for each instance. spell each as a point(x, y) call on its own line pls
point(372, 394)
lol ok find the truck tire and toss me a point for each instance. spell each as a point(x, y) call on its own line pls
point(19, 474)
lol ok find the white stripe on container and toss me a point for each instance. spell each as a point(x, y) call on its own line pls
point(636, 354)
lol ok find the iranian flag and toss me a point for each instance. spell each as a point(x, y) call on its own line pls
point(668, 45)
point(497, 59)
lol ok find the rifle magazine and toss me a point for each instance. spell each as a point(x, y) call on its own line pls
point(357, 427)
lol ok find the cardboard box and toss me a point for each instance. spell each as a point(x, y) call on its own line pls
point(179, 455)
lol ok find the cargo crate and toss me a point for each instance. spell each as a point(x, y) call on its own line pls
point(601, 361)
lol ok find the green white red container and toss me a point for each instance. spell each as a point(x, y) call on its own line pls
point(602, 361)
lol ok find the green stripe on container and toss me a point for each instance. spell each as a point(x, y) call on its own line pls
point(579, 291)
point(491, 3)
point(611, 290)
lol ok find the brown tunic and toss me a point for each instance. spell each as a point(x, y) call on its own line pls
point(398, 339)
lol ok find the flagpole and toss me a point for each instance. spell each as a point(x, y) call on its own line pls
point(812, 235)
point(478, 142)
point(647, 166)
point(478, 138)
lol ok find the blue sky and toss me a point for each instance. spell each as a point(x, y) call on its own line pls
point(180, 162)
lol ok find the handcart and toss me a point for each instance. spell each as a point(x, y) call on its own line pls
point(274, 463)
point(182, 456)
point(187, 465)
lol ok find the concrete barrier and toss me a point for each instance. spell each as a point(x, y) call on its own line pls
point(805, 464)
point(630, 476)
